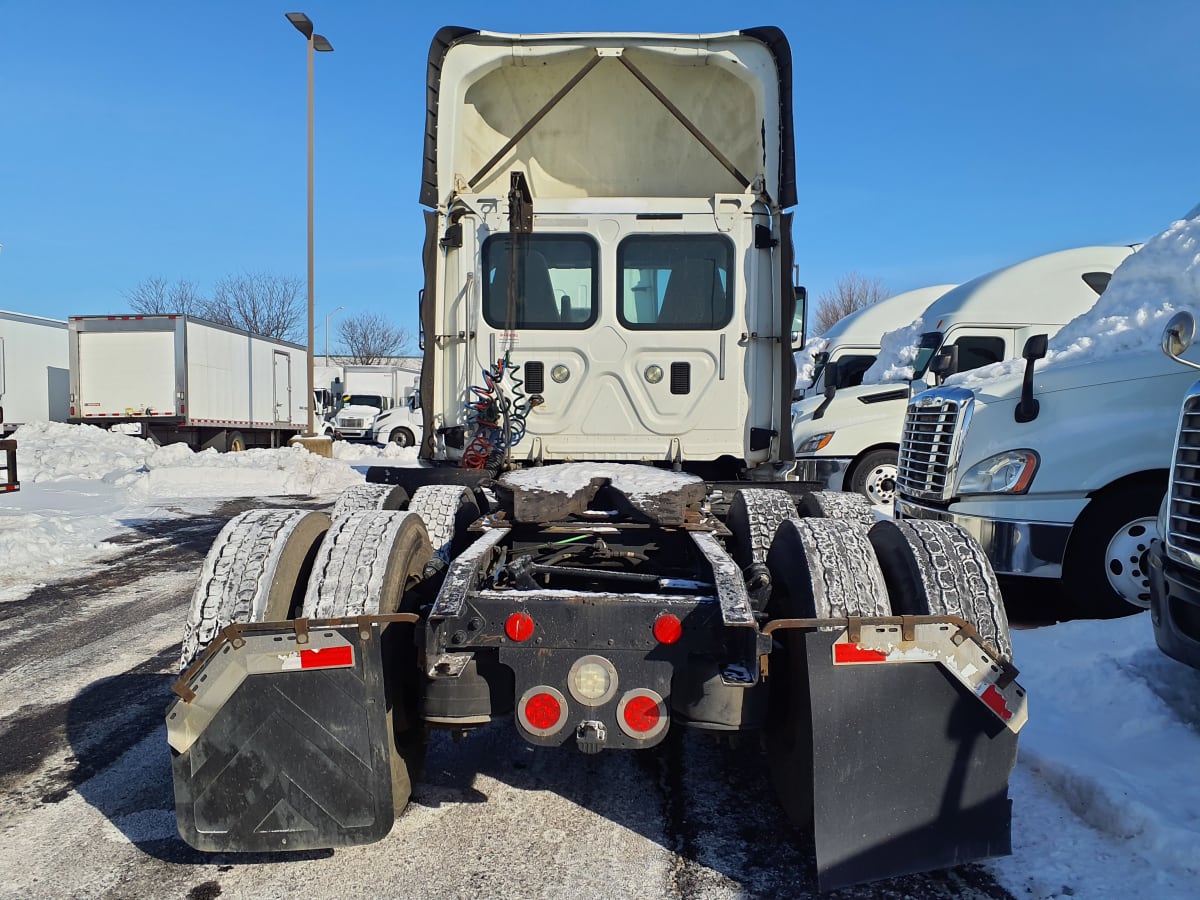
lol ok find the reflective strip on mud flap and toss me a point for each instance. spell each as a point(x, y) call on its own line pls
point(253, 654)
point(967, 660)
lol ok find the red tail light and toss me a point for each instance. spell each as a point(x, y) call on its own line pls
point(667, 629)
point(519, 626)
point(642, 714)
point(542, 710)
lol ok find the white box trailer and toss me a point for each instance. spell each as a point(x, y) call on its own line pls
point(34, 380)
point(178, 379)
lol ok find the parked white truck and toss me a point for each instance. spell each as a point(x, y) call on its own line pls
point(368, 392)
point(607, 280)
point(853, 341)
point(1058, 467)
point(178, 379)
point(34, 370)
point(848, 440)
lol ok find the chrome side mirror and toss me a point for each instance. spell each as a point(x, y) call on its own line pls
point(1178, 334)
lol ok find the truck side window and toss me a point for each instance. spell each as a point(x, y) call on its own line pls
point(977, 351)
point(675, 282)
point(554, 286)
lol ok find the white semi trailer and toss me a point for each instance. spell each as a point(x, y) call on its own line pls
point(600, 544)
point(178, 379)
point(34, 377)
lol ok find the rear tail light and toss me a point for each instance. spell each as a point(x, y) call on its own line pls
point(642, 714)
point(667, 629)
point(542, 710)
point(519, 626)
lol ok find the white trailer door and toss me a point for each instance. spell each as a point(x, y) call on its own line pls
point(127, 373)
point(283, 387)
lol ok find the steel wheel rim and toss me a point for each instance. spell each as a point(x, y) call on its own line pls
point(881, 484)
point(1126, 561)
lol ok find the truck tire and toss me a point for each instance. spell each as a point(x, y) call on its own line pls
point(402, 437)
point(255, 571)
point(447, 510)
point(366, 566)
point(1105, 571)
point(820, 568)
point(369, 496)
point(754, 514)
point(235, 443)
point(875, 477)
point(837, 505)
point(938, 569)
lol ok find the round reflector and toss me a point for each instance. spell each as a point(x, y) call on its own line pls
point(519, 626)
point(667, 629)
point(592, 680)
point(642, 714)
point(542, 710)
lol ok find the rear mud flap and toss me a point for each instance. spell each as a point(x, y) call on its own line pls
point(910, 769)
point(283, 746)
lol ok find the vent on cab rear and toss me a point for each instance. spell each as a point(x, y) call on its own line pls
point(535, 377)
point(681, 378)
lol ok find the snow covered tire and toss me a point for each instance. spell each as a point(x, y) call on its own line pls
point(254, 572)
point(447, 510)
point(937, 568)
point(837, 505)
point(369, 496)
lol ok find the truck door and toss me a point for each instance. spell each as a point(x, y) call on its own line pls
point(283, 387)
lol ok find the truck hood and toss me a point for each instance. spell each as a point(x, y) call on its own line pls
point(859, 402)
point(609, 134)
point(360, 412)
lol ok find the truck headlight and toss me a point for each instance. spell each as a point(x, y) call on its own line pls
point(814, 443)
point(1010, 472)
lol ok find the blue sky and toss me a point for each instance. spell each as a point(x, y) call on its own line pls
point(936, 139)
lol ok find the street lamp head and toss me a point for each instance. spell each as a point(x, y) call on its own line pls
point(302, 22)
point(321, 43)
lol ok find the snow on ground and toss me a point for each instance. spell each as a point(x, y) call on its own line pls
point(82, 485)
point(1106, 794)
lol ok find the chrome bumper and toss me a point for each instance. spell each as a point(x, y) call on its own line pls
point(1033, 549)
point(824, 470)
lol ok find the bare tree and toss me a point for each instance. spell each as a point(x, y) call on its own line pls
point(368, 339)
point(155, 297)
point(270, 305)
point(853, 291)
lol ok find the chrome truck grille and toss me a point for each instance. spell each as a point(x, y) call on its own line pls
point(929, 445)
point(1183, 526)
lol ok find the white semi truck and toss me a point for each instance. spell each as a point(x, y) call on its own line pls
point(368, 392)
point(847, 440)
point(1058, 468)
point(600, 544)
point(178, 379)
point(34, 375)
point(853, 341)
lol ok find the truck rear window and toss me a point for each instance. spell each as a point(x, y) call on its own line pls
point(675, 282)
point(539, 281)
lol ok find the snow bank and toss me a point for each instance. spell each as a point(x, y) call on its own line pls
point(1161, 278)
point(630, 480)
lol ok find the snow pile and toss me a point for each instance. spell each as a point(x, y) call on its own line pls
point(1106, 797)
point(897, 353)
point(805, 365)
point(1158, 280)
point(630, 480)
point(388, 453)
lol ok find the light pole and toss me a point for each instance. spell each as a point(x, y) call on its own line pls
point(327, 318)
point(315, 42)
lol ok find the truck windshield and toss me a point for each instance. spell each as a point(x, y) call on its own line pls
point(675, 282)
point(926, 347)
point(364, 400)
point(553, 286)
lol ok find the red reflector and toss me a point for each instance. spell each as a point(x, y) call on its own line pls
point(543, 711)
point(519, 627)
point(852, 653)
point(330, 656)
point(641, 713)
point(996, 702)
point(667, 629)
